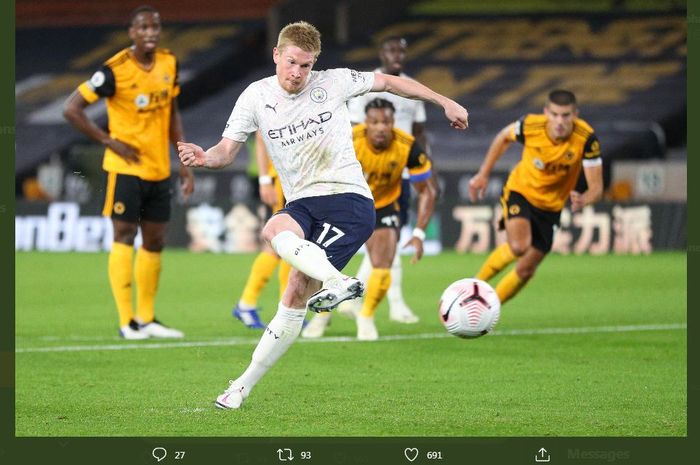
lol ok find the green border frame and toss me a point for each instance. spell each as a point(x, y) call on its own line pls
point(76, 451)
point(7, 214)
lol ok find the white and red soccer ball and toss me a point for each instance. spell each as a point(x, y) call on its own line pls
point(469, 308)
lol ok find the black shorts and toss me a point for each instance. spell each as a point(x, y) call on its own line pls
point(542, 222)
point(389, 217)
point(131, 199)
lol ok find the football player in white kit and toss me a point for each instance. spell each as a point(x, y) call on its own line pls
point(409, 116)
point(303, 117)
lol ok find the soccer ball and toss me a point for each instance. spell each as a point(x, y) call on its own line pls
point(469, 308)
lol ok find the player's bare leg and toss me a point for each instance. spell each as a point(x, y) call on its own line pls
point(520, 240)
point(519, 233)
point(498, 259)
point(286, 237)
point(524, 270)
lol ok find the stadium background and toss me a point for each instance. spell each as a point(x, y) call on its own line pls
point(596, 346)
point(625, 60)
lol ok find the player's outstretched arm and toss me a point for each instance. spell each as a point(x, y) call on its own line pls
point(219, 156)
point(456, 113)
point(426, 204)
point(478, 182)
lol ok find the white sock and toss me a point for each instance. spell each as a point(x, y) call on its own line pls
point(394, 294)
point(304, 255)
point(365, 269)
point(244, 306)
point(280, 333)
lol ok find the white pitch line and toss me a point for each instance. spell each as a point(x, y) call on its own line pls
point(398, 337)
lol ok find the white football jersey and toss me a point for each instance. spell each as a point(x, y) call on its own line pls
point(407, 111)
point(307, 135)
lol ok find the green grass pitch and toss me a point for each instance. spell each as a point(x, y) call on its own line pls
point(593, 346)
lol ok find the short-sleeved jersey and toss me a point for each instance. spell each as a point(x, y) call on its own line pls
point(548, 171)
point(308, 134)
point(407, 111)
point(383, 168)
point(139, 104)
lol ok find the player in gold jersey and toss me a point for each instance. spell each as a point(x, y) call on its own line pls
point(557, 145)
point(247, 310)
point(140, 86)
point(384, 151)
point(409, 116)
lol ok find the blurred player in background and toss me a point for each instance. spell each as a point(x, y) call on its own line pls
point(141, 86)
point(409, 117)
point(557, 144)
point(384, 152)
point(303, 118)
point(266, 262)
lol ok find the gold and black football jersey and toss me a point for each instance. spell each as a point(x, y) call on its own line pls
point(382, 169)
point(139, 108)
point(548, 170)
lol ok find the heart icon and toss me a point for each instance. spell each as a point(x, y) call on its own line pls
point(411, 453)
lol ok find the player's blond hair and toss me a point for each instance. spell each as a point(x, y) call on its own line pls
point(303, 35)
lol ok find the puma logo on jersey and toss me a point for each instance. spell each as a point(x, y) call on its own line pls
point(271, 107)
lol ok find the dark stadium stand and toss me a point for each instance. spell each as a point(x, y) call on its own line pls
point(210, 57)
point(632, 91)
point(210, 40)
point(57, 13)
point(627, 70)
